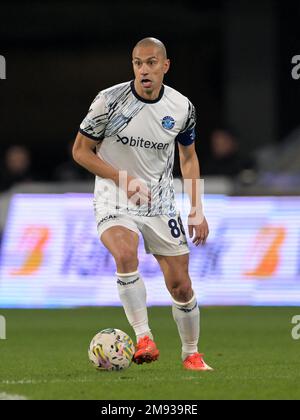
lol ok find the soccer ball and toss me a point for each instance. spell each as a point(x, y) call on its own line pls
point(111, 349)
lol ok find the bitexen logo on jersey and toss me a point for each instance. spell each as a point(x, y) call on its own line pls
point(140, 142)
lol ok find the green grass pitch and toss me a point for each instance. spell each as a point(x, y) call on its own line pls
point(251, 350)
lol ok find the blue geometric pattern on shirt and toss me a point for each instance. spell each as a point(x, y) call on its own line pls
point(122, 108)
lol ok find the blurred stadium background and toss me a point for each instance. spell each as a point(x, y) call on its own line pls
point(233, 59)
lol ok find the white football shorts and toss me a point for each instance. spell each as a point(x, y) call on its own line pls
point(163, 235)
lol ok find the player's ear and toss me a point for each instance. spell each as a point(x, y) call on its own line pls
point(166, 66)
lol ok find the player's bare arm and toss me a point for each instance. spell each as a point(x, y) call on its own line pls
point(189, 164)
point(83, 154)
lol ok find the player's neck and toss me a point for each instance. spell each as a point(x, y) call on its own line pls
point(148, 96)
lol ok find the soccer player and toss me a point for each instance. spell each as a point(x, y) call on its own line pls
point(134, 126)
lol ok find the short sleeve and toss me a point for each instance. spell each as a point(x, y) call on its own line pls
point(94, 124)
point(186, 137)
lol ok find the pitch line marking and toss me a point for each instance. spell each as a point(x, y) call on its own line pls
point(8, 397)
point(79, 380)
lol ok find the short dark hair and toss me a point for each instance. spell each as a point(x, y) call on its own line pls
point(150, 41)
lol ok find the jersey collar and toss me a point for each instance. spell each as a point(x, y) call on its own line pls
point(147, 101)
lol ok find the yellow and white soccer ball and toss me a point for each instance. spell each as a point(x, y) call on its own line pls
point(111, 349)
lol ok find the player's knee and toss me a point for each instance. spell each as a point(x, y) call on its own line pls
point(126, 259)
point(182, 292)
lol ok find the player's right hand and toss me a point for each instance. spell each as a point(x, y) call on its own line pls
point(138, 191)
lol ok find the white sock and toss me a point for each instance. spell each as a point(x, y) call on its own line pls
point(132, 293)
point(187, 318)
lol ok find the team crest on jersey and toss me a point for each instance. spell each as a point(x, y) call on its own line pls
point(168, 122)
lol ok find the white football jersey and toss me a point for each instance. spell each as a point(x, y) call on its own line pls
point(138, 136)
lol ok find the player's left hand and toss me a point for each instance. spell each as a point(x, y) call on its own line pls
point(198, 229)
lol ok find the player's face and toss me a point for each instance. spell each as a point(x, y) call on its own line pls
point(150, 66)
